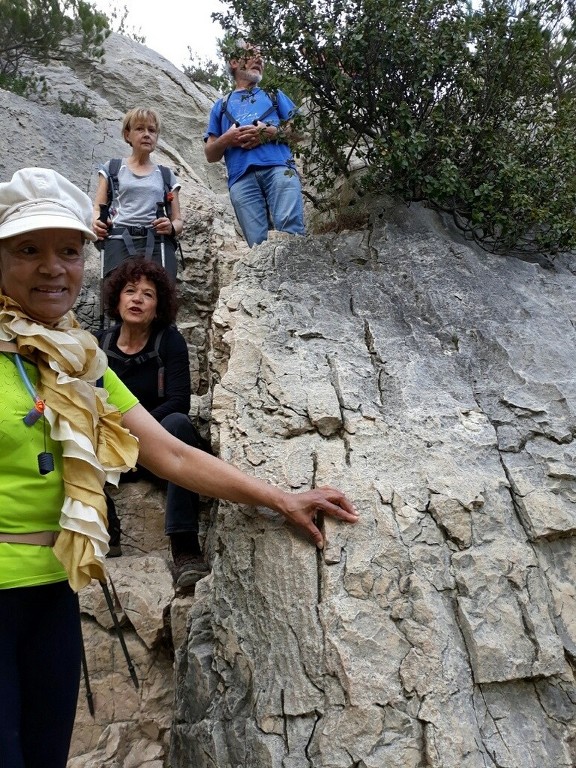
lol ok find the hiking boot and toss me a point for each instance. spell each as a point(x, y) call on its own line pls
point(188, 569)
point(114, 550)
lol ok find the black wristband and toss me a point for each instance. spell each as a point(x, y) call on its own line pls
point(173, 233)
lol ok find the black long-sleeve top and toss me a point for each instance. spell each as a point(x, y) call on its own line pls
point(142, 378)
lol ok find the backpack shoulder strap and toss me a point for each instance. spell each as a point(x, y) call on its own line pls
point(225, 111)
point(167, 190)
point(113, 186)
point(161, 387)
point(273, 96)
point(155, 354)
point(157, 341)
point(106, 338)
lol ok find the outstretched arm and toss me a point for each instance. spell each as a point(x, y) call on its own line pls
point(191, 468)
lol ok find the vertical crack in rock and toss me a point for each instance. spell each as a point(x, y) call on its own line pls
point(511, 486)
point(335, 381)
point(307, 748)
point(527, 622)
point(378, 364)
point(319, 520)
point(284, 721)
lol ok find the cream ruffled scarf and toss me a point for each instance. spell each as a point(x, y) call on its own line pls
point(96, 448)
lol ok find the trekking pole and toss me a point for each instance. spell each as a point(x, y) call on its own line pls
point(160, 213)
point(89, 696)
point(104, 213)
point(118, 629)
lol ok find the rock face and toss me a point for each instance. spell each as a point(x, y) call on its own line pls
point(434, 384)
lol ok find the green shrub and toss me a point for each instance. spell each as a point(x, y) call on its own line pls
point(44, 30)
point(468, 108)
point(77, 108)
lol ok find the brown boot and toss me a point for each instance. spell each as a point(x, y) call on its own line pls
point(189, 565)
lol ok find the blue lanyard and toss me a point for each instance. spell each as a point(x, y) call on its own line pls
point(38, 411)
point(45, 459)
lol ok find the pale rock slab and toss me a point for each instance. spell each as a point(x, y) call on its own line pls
point(448, 608)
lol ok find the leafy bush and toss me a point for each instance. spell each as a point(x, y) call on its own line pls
point(469, 108)
point(205, 70)
point(77, 108)
point(41, 30)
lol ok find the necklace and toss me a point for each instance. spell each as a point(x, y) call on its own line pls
point(45, 458)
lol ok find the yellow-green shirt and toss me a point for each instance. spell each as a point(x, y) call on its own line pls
point(30, 501)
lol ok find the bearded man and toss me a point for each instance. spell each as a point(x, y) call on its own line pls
point(252, 130)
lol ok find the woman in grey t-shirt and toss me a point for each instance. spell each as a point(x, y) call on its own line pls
point(136, 208)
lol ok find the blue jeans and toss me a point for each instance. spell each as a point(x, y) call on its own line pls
point(271, 193)
point(40, 655)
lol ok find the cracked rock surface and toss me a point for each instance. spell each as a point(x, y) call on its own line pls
point(435, 385)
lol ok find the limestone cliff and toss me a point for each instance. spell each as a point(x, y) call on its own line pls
point(434, 384)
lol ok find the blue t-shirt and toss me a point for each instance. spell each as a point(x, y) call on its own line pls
point(245, 106)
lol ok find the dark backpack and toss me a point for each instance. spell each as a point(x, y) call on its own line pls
point(113, 185)
point(273, 96)
point(105, 340)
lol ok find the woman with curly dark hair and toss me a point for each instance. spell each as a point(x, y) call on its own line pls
point(150, 355)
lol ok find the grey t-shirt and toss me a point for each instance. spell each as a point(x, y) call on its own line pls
point(138, 196)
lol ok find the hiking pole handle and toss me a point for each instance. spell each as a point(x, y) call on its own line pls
point(104, 213)
point(103, 217)
point(160, 214)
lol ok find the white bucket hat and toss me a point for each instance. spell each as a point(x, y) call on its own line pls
point(40, 198)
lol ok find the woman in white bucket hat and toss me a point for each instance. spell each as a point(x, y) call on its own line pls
point(61, 438)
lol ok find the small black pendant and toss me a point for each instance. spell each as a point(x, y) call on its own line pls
point(45, 463)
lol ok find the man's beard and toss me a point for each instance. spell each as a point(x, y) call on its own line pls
point(252, 77)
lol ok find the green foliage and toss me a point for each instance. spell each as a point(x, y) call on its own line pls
point(469, 108)
point(41, 30)
point(205, 70)
point(77, 108)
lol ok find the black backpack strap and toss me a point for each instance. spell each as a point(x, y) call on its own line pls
point(273, 96)
point(104, 342)
point(161, 387)
point(167, 190)
point(113, 170)
point(106, 339)
point(273, 108)
point(224, 111)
